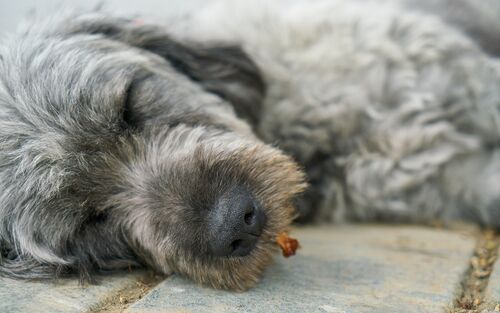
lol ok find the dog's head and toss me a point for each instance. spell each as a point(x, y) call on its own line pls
point(115, 136)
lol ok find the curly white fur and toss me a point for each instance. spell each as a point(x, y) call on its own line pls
point(394, 113)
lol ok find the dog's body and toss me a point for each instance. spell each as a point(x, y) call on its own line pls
point(120, 145)
point(394, 114)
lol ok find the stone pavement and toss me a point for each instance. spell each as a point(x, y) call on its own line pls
point(350, 268)
point(65, 296)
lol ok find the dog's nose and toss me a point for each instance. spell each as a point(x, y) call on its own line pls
point(235, 224)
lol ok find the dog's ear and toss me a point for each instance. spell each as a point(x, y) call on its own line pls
point(225, 70)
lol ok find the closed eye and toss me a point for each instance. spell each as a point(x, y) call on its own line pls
point(127, 121)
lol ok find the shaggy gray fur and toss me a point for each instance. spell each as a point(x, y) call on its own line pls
point(116, 140)
point(115, 144)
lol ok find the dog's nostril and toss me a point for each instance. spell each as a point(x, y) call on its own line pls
point(249, 217)
point(236, 244)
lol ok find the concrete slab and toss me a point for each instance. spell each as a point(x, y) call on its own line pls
point(61, 297)
point(339, 269)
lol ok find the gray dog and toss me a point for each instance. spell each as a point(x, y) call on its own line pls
point(122, 144)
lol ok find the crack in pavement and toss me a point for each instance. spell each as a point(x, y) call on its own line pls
point(472, 297)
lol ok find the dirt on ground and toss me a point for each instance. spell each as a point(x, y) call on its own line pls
point(121, 300)
point(472, 297)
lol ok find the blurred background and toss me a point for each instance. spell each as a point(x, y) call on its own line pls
point(470, 14)
point(13, 12)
